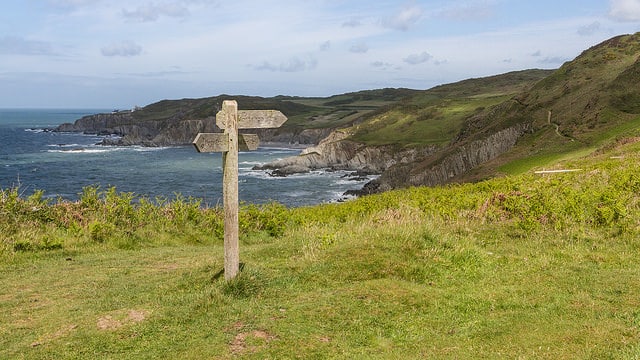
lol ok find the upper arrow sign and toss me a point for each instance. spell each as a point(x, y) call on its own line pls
point(254, 119)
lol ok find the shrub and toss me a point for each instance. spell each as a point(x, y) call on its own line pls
point(100, 231)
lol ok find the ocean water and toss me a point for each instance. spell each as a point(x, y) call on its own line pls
point(61, 164)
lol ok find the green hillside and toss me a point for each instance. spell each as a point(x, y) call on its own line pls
point(436, 116)
point(568, 113)
point(591, 100)
point(376, 117)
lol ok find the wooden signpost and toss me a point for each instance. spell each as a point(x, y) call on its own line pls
point(229, 143)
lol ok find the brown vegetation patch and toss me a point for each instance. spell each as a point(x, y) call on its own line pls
point(250, 341)
point(109, 322)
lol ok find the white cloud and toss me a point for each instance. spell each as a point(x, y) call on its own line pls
point(13, 45)
point(556, 60)
point(405, 19)
point(381, 65)
point(352, 23)
point(468, 11)
point(295, 64)
point(590, 29)
point(325, 46)
point(124, 48)
point(359, 48)
point(415, 59)
point(625, 10)
point(152, 12)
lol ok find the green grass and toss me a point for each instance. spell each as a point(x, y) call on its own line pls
point(545, 149)
point(414, 125)
point(521, 267)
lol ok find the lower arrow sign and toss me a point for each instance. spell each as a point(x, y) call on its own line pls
point(219, 142)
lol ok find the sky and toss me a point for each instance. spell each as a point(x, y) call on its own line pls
point(126, 53)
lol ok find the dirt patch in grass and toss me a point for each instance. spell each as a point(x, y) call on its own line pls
point(116, 321)
point(249, 341)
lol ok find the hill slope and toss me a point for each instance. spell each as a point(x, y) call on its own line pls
point(587, 102)
point(411, 129)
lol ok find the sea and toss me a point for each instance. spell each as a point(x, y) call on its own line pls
point(33, 158)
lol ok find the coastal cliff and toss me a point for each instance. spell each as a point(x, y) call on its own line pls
point(432, 172)
point(126, 131)
point(398, 168)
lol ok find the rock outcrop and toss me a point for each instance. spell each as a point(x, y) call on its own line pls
point(399, 168)
point(337, 152)
point(431, 172)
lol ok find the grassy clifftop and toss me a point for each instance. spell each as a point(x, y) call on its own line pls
point(529, 266)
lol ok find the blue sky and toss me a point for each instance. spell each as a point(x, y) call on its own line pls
point(123, 53)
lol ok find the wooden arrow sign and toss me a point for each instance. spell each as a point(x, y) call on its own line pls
point(254, 119)
point(219, 142)
point(229, 142)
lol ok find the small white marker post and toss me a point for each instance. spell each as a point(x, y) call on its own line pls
point(229, 143)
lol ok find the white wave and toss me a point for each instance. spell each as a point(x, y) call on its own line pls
point(96, 149)
point(298, 193)
point(255, 174)
point(66, 145)
point(148, 149)
point(354, 181)
point(340, 197)
point(83, 151)
point(283, 152)
point(346, 182)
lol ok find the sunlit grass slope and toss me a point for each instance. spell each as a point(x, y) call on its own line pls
point(436, 116)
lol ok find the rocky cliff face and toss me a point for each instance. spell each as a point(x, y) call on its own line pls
point(174, 131)
point(399, 168)
point(431, 172)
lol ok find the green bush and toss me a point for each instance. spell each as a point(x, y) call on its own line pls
point(100, 231)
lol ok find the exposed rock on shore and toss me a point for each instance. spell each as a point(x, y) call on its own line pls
point(398, 168)
point(338, 153)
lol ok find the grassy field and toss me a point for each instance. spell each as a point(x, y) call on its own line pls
point(521, 267)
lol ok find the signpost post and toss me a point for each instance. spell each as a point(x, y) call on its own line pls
point(229, 143)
